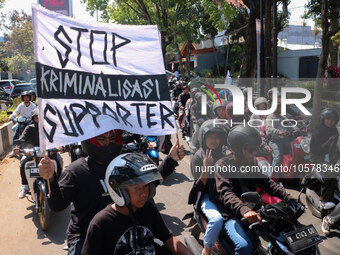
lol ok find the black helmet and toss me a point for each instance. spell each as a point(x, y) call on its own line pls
point(241, 136)
point(101, 154)
point(209, 127)
point(25, 93)
point(130, 169)
point(35, 112)
point(32, 92)
point(329, 113)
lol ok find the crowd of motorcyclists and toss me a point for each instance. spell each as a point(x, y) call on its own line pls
point(112, 211)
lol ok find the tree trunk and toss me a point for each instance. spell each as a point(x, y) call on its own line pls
point(321, 66)
point(216, 60)
point(268, 38)
point(333, 50)
point(248, 69)
point(175, 40)
point(165, 42)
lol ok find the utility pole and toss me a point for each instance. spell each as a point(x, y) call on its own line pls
point(262, 49)
point(275, 39)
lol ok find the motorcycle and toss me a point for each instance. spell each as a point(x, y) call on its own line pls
point(312, 183)
point(223, 245)
point(20, 124)
point(299, 156)
point(39, 186)
point(147, 144)
point(281, 227)
point(75, 152)
point(199, 222)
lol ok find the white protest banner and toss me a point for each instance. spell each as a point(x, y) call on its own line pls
point(95, 77)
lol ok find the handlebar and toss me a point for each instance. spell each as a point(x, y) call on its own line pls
point(251, 226)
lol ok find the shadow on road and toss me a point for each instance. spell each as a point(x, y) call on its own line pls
point(160, 206)
point(174, 223)
point(175, 178)
point(56, 233)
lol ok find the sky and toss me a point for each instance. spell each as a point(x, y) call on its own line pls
point(296, 7)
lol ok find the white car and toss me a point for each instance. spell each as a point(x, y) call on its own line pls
point(8, 85)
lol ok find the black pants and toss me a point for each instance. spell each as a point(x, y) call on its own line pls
point(329, 182)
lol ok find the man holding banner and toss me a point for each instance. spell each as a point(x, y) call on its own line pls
point(92, 78)
point(82, 183)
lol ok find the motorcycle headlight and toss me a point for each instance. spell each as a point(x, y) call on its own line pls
point(265, 167)
point(77, 151)
point(305, 145)
point(21, 119)
point(38, 152)
point(153, 144)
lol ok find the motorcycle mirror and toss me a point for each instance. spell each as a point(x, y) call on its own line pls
point(251, 197)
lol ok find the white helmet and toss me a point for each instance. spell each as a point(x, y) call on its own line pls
point(130, 169)
point(260, 100)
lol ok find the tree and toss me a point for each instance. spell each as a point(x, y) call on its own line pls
point(316, 31)
point(249, 48)
point(18, 44)
point(177, 20)
point(324, 12)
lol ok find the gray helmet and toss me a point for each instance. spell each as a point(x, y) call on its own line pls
point(260, 100)
point(270, 93)
point(209, 126)
point(218, 104)
point(329, 113)
point(241, 136)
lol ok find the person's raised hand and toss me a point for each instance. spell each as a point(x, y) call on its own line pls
point(177, 151)
point(208, 160)
point(46, 168)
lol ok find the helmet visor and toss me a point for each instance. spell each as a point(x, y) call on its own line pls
point(146, 179)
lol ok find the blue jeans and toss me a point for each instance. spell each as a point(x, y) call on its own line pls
point(242, 242)
point(280, 147)
point(215, 221)
point(74, 248)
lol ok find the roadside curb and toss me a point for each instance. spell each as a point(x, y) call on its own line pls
point(6, 138)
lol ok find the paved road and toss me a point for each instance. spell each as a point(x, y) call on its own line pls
point(21, 235)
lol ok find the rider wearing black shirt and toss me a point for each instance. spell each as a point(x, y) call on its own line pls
point(82, 183)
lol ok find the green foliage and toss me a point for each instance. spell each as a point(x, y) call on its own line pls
point(17, 53)
point(11, 108)
point(3, 117)
point(16, 101)
point(188, 17)
point(313, 10)
point(336, 39)
point(206, 73)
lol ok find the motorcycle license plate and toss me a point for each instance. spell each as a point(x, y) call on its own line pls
point(34, 172)
point(302, 238)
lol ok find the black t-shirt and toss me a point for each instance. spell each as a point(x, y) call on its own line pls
point(82, 184)
point(111, 232)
